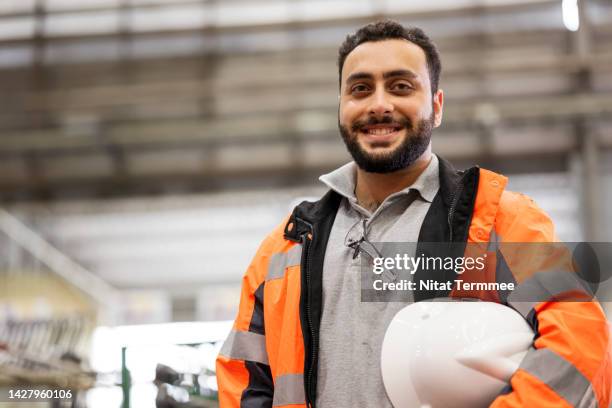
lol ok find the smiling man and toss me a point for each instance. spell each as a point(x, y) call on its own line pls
point(388, 109)
point(303, 337)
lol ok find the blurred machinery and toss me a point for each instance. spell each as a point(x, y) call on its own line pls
point(46, 323)
point(39, 355)
point(176, 390)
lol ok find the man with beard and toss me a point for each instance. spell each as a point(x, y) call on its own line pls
point(303, 337)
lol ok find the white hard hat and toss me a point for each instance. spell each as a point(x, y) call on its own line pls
point(452, 353)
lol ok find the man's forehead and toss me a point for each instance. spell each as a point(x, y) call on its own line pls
point(378, 57)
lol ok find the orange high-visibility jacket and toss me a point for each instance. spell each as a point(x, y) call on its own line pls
point(270, 358)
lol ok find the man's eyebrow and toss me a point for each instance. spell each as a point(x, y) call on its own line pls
point(390, 74)
point(359, 75)
point(400, 73)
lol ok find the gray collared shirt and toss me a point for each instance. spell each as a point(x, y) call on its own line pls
point(352, 331)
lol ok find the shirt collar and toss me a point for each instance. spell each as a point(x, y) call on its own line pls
point(343, 179)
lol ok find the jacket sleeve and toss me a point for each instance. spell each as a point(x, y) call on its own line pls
point(569, 363)
point(243, 372)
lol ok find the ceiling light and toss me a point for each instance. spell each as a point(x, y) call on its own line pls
point(571, 17)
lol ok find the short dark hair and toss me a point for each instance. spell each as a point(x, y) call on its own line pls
point(389, 30)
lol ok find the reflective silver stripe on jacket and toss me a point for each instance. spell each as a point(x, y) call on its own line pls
point(561, 376)
point(281, 261)
point(546, 286)
point(241, 345)
point(494, 241)
point(288, 390)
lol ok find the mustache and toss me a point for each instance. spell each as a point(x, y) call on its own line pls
point(403, 122)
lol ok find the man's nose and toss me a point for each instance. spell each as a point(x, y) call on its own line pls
point(381, 105)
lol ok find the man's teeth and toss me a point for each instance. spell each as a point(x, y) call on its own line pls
point(380, 131)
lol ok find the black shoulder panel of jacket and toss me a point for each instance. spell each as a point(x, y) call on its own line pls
point(308, 213)
point(447, 220)
point(449, 181)
point(458, 190)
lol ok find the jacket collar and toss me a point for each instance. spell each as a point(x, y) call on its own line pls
point(453, 185)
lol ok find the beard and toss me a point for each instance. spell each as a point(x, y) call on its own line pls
point(415, 143)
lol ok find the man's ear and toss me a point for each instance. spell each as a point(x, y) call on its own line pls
point(438, 107)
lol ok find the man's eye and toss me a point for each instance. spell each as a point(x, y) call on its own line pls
point(401, 87)
point(359, 89)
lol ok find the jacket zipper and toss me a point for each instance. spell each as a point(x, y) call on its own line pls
point(454, 201)
point(309, 319)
